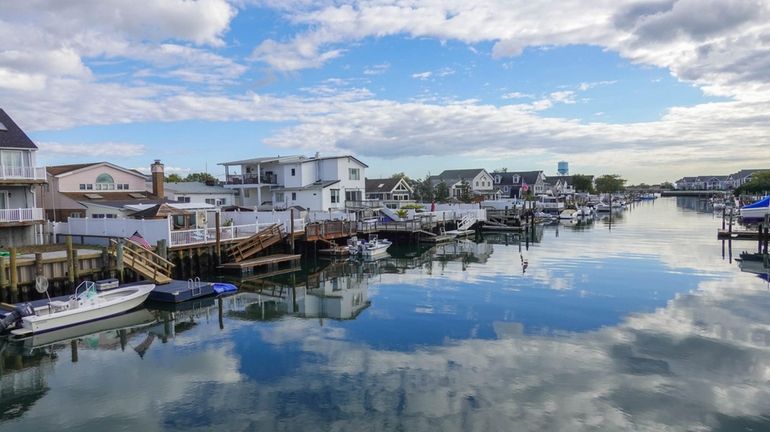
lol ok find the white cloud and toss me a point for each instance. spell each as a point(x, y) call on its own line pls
point(377, 69)
point(422, 75)
point(110, 149)
point(517, 95)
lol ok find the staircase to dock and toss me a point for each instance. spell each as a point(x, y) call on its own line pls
point(143, 261)
point(257, 243)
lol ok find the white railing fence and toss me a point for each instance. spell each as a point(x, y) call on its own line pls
point(21, 215)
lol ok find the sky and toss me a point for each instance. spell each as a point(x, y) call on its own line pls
point(650, 90)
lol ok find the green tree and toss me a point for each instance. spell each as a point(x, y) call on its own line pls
point(760, 183)
point(173, 178)
point(201, 177)
point(609, 183)
point(465, 192)
point(401, 175)
point(667, 186)
point(583, 183)
point(441, 192)
point(423, 189)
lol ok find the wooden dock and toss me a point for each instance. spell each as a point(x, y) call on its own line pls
point(724, 234)
point(268, 263)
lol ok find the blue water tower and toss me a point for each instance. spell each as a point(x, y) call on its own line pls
point(563, 168)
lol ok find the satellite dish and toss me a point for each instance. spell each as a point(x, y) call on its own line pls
point(41, 284)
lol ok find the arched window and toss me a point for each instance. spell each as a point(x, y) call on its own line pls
point(105, 181)
point(104, 178)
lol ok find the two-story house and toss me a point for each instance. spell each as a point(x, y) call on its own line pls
point(478, 183)
point(96, 190)
point(517, 184)
point(313, 183)
point(20, 218)
point(388, 189)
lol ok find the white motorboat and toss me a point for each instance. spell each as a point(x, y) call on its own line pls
point(569, 214)
point(756, 210)
point(602, 207)
point(584, 212)
point(86, 305)
point(367, 249)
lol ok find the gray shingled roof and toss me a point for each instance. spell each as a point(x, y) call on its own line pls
point(11, 135)
point(196, 188)
point(381, 185)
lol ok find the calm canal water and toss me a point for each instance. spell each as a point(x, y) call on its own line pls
point(647, 326)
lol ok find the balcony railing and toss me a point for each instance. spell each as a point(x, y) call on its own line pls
point(249, 179)
point(9, 172)
point(21, 215)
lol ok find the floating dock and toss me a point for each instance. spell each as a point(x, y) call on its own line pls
point(724, 234)
point(178, 291)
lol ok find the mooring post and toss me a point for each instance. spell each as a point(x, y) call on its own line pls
point(162, 248)
point(218, 237)
point(39, 264)
point(119, 259)
point(13, 276)
point(291, 234)
point(74, 350)
point(70, 262)
point(3, 280)
point(75, 265)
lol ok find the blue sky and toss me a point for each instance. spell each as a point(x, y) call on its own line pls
point(651, 91)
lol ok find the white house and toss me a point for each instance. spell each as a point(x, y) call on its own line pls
point(200, 193)
point(313, 183)
point(478, 181)
point(21, 218)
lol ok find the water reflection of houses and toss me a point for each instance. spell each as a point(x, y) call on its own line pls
point(338, 291)
point(22, 381)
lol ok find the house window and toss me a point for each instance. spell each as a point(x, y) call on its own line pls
point(505, 188)
point(279, 197)
point(210, 201)
point(354, 195)
point(515, 179)
point(183, 199)
point(221, 202)
point(354, 174)
point(111, 216)
point(82, 186)
point(293, 172)
point(104, 178)
point(120, 186)
point(89, 186)
point(294, 196)
point(245, 193)
point(335, 193)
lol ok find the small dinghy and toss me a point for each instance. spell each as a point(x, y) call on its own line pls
point(86, 305)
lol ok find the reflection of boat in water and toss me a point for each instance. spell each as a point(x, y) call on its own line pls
point(87, 304)
point(753, 263)
point(137, 318)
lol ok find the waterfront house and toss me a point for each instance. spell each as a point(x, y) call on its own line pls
point(93, 190)
point(21, 218)
point(512, 183)
point(388, 189)
point(201, 193)
point(478, 183)
point(743, 176)
point(313, 183)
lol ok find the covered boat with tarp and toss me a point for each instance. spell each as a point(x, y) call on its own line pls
point(756, 210)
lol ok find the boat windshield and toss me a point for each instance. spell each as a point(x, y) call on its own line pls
point(86, 290)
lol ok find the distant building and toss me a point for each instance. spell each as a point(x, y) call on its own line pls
point(478, 182)
point(21, 218)
point(200, 193)
point(716, 182)
point(313, 183)
point(517, 184)
point(388, 189)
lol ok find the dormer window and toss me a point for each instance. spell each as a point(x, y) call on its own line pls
point(498, 179)
point(516, 179)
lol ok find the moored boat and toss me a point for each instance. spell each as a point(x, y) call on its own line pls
point(756, 210)
point(86, 305)
point(367, 249)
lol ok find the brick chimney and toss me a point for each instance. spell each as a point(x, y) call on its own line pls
point(156, 169)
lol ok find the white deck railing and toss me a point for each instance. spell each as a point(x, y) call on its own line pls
point(208, 235)
point(21, 215)
point(21, 172)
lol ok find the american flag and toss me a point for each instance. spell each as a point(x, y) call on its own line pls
point(137, 238)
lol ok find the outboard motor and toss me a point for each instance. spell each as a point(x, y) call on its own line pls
point(12, 318)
